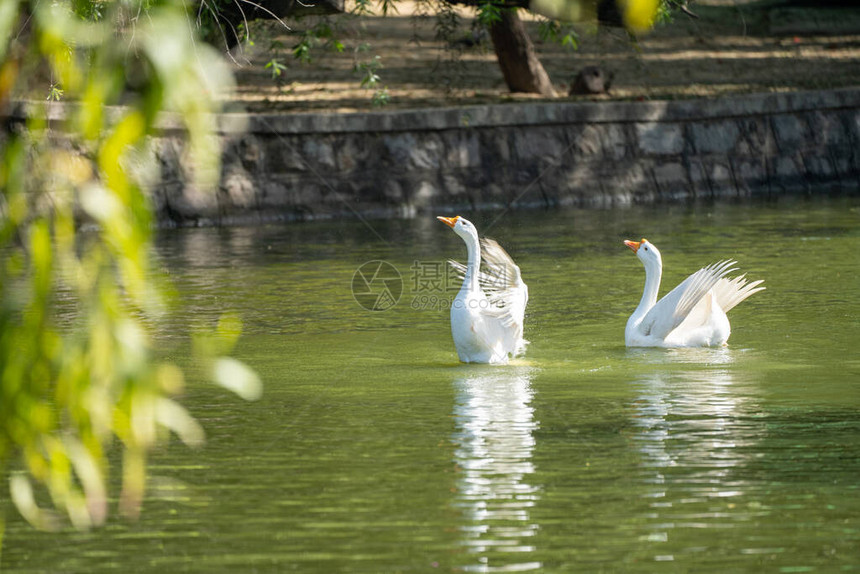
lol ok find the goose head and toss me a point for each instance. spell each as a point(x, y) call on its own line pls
point(647, 253)
point(461, 226)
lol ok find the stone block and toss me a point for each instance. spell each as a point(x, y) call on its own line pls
point(454, 185)
point(750, 174)
point(239, 191)
point(577, 192)
point(428, 152)
point(854, 123)
point(283, 154)
point(579, 175)
point(791, 132)
point(392, 190)
point(756, 138)
point(246, 151)
point(303, 191)
point(720, 172)
point(353, 152)
point(492, 195)
point(785, 167)
point(721, 181)
point(819, 168)
point(193, 203)
point(535, 144)
point(274, 195)
point(168, 153)
point(715, 137)
point(697, 175)
point(525, 175)
point(670, 173)
point(463, 150)
point(660, 138)
point(424, 193)
point(616, 142)
point(852, 154)
point(634, 178)
point(843, 169)
point(789, 173)
point(408, 151)
point(827, 128)
point(495, 147)
point(159, 196)
point(546, 194)
point(586, 142)
point(670, 179)
point(397, 149)
point(319, 153)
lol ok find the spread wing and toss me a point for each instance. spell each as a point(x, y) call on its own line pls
point(670, 311)
point(507, 293)
point(730, 292)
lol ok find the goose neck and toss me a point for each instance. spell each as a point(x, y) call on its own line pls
point(473, 263)
point(653, 275)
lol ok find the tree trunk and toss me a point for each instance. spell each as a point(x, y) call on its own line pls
point(515, 52)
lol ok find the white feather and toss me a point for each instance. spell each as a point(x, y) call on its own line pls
point(693, 314)
point(488, 314)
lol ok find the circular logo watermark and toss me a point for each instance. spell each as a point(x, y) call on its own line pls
point(377, 285)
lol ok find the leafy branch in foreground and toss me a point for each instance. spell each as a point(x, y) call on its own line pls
point(77, 386)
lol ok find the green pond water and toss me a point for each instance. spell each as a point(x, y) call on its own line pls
point(374, 450)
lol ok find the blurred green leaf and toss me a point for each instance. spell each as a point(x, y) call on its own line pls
point(67, 390)
point(238, 378)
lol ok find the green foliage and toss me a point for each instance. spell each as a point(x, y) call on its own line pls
point(92, 10)
point(447, 22)
point(381, 97)
point(55, 94)
point(387, 6)
point(76, 386)
point(362, 8)
point(489, 12)
point(666, 10)
point(370, 78)
point(276, 68)
point(365, 7)
point(326, 32)
point(302, 49)
point(320, 33)
point(554, 31)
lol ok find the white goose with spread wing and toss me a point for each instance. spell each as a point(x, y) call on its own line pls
point(693, 314)
point(488, 312)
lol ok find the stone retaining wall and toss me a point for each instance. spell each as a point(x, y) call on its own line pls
point(402, 163)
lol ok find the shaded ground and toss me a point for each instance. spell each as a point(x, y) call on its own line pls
point(734, 47)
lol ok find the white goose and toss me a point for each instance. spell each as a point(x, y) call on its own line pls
point(487, 313)
point(693, 314)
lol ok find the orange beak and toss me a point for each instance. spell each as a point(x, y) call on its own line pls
point(633, 245)
point(449, 221)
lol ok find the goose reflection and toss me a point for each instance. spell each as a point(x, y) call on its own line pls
point(494, 446)
point(693, 416)
point(695, 423)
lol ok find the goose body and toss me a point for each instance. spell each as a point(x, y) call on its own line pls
point(488, 312)
point(693, 314)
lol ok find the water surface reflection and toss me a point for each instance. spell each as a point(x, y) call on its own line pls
point(494, 446)
point(696, 429)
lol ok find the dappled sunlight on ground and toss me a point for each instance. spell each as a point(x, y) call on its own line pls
point(728, 50)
